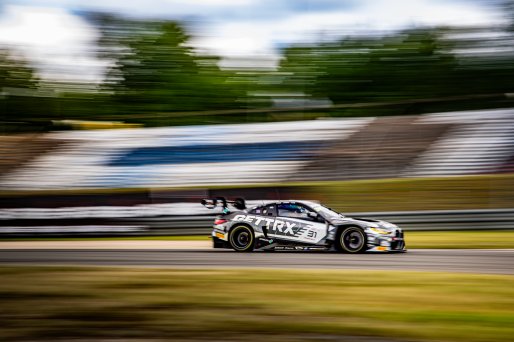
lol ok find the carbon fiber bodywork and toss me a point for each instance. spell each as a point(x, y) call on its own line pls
point(308, 225)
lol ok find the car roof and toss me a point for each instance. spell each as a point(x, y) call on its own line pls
point(266, 202)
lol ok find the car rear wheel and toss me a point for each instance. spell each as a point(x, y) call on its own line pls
point(242, 239)
point(351, 240)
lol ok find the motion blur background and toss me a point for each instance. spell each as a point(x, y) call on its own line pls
point(117, 117)
point(113, 110)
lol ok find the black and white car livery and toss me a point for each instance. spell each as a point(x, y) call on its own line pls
point(298, 225)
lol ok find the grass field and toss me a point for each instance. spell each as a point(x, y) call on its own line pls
point(50, 303)
point(406, 194)
point(438, 239)
point(370, 195)
point(461, 239)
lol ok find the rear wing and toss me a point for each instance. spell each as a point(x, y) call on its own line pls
point(211, 203)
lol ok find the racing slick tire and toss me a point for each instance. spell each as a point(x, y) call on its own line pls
point(242, 239)
point(351, 240)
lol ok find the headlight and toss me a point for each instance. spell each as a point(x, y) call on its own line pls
point(379, 231)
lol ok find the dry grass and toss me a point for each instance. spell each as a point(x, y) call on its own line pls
point(49, 303)
point(461, 239)
point(398, 194)
point(405, 194)
point(414, 239)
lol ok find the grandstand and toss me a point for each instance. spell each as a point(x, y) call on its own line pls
point(439, 144)
point(382, 149)
point(18, 150)
point(180, 156)
point(479, 142)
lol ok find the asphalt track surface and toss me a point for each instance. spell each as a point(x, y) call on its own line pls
point(499, 261)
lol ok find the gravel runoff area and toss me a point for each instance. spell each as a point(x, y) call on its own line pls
point(107, 244)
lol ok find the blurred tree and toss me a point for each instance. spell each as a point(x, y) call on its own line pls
point(15, 73)
point(403, 66)
point(415, 64)
point(155, 74)
point(19, 97)
point(159, 73)
point(508, 9)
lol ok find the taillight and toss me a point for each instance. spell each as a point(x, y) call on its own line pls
point(219, 221)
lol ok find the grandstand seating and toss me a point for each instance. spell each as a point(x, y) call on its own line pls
point(180, 156)
point(382, 149)
point(479, 142)
point(333, 149)
point(17, 150)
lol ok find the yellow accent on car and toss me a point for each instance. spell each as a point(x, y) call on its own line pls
point(379, 231)
point(220, 235)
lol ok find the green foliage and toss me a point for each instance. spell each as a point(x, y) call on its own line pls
point(160, 73)
point(158, 79)
point(19, 98)
point(15, 74)
point(411, 65)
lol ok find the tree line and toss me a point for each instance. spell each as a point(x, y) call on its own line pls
point(157, 79)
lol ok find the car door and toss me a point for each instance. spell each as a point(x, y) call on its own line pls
point(297, 222)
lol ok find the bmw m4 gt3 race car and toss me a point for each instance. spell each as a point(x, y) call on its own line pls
point(298, 225)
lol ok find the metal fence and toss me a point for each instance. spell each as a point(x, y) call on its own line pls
point(493, 219)
point(489, 219)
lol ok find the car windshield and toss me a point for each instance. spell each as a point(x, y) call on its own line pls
point(327, 213)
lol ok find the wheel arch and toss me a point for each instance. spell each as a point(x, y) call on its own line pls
point(341, 227)
point(238, 224)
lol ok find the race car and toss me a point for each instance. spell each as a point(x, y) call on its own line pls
point(292, 224)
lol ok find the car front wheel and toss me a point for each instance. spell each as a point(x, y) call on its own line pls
point(351, 240)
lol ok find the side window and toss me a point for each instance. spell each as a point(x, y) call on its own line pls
point(269, 210)
point(294, 210)
point(257, 211)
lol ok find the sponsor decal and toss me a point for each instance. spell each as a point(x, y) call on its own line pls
point(303, 232)
point(276, 225)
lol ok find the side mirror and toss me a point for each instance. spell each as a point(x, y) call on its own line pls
point(315, 216)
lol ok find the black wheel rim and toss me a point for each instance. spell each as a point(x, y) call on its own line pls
point(353, 240)
point(241, 238)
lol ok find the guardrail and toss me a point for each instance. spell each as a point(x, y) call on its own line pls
point(493, 219)
point(489, 219)
point(448, 219)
